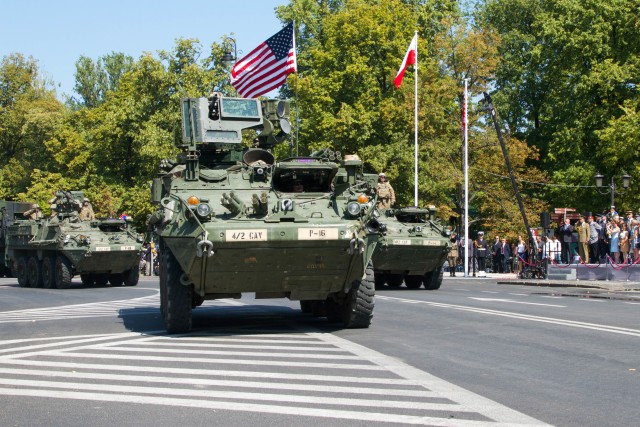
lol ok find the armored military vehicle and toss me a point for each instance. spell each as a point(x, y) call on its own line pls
point(9, 212)
point(412, 248)
point(232, 220)
point(50, 251)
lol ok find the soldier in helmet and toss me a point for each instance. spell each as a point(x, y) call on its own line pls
point(34, 213)
point(386, 195)
point(86, 211)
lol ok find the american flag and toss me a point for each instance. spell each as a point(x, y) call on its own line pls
point(266, 67)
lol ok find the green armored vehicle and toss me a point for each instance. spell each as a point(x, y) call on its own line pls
point(9, 212)
point(50, 251)
point(232, 220)
point(412, 248)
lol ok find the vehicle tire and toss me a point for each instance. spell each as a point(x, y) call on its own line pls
point(88, 279)
point(355, 309)
point(380, 279)
point(163, 290)
point(34, 272)
point(116, 279)
point(306, 306)
point(394, 280)
point(131, 277)
point(48, 272)
point(21, 272)
point(63, 273)
point(177, 315)
point(433, 279)
point(101, 279)
point(413, 282)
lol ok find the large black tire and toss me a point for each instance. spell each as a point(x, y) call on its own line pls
point(131, 277)
point(433, 279)
point(413, 282)
point(394, 280)
point(48, 272)
point(21, 272)
point(34, 272)
point(177, 312)
point(355, 309)
point(163, 290)
point(116, 279)
point(63, 273)
point(88, 279)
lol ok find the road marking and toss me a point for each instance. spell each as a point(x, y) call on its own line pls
point(590, 299)
point(137, 306)
point(563, 322)
point(490, 292)
point(60, 369)
point(515, 302)
point(520, 295)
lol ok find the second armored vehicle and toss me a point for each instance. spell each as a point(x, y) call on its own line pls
point(413, 249)
point(233, 220)
point(50, 251)
point(9, 212)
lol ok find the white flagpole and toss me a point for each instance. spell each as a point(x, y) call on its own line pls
point(466, 183)
point(415, 114)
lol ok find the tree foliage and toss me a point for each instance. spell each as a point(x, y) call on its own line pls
point(567, 83)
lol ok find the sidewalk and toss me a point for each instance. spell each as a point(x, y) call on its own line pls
point(597, 288)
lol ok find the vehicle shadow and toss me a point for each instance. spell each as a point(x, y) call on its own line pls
point(231, 320)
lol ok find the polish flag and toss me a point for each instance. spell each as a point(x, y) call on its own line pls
point(409, 59)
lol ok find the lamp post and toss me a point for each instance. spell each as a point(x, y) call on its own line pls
point(228, 58)
point(599, 178)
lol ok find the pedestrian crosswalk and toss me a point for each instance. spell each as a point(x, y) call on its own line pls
point(285, 372)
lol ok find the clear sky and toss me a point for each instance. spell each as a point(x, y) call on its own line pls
point(58, 32)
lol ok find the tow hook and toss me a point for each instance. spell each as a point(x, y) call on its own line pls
point(204, 247)
point(356, 243)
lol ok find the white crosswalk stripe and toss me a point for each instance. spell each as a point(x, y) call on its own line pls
point(279, 372)
point(143, 306)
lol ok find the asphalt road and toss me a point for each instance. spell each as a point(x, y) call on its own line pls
point(473, 353)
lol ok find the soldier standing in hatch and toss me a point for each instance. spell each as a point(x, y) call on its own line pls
point(34, 213)
point(86, 212)
point(386, 195)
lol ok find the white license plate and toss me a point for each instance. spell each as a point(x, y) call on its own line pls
point(246, 235)
point(317, 234)
point(431, 242)
point(401, 241)
point(127, 248)
point(103, 248)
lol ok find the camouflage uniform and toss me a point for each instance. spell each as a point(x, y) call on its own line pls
point(33, 213)
point(386, 195)
point(86, 213)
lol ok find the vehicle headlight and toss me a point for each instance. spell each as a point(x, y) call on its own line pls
point(354, 208)
point(203, 210)
point(66, 238)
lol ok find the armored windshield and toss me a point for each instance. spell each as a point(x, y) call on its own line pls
point(295, 178)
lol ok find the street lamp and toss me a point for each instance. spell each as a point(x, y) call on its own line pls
point(626, 180)
point(228, 58)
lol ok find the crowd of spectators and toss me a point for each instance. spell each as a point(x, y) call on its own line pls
point(589, 239)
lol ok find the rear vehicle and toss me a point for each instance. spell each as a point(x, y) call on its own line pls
point(48, 252)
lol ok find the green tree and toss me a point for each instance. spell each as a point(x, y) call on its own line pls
point(95, 78)
point(29, 115)
point(568, 75)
